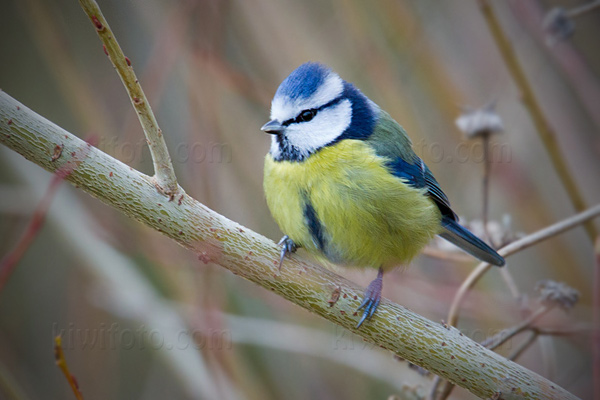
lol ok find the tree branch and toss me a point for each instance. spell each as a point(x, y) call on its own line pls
point(163, 168)
point(442, 350)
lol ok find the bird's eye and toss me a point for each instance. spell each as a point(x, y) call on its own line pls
point(306, 115)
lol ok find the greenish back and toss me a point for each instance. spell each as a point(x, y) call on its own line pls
point(390, 140)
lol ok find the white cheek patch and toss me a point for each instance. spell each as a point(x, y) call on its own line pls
point(284, 108)
point(323, 129)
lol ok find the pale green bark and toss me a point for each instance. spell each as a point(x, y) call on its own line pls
point(214, 238)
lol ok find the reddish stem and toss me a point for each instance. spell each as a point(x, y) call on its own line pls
point(10, 261)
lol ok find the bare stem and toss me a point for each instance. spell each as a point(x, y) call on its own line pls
point(535, 333)
point(61, 362)
point(524, 346)
point(436, 392)
point(487, 166)
point(501, 338)
point(10, 261)
point(514, 247)
point(584, 8)
point(443, 350)
point(530, 102)
point(164, 174)
point(596, 322)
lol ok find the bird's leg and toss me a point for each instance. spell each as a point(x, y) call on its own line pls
point(372, 298)
point(287, 247)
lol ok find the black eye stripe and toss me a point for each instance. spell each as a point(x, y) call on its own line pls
point(315, 111)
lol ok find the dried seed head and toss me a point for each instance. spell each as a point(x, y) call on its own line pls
point(557, 25)
point(480, 122)
point(557, 294)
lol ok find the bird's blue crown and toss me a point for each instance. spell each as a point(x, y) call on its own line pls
point(304, 81)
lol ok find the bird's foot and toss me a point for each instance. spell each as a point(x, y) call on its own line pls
point(372, 298)
point(287, 247)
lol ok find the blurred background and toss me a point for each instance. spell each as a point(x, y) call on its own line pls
point(141, 318)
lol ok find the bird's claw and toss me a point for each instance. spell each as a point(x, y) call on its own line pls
point(287, 247)
point(370, 305)
point(372, 299)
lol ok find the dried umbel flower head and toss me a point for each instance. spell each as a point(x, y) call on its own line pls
point(558, 25)
point(557, 294)
point(480, 122)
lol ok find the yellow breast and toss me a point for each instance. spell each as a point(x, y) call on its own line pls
point(343, 204)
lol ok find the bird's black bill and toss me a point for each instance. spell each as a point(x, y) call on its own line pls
point(273, 127)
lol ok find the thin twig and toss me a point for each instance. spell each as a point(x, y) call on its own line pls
point(506, 334)
point(514, 247)
point(435, 390)
point(563, 331)
point(524, 346)
point(530, 102)
point(487, 166)
point(510, 283)
point(59, 356)
point(10, 261)
point(164, 174)
point(596, 322)
point(584, 8)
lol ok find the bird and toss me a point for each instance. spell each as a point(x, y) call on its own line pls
point(342, 180)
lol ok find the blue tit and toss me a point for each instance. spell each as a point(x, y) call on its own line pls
point(341, 180)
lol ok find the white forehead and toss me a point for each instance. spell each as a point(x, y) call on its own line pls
point(283, 107)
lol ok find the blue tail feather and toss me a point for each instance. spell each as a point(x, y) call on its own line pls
point(461, 237)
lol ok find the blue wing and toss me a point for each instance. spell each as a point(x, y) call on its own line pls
point(418, 175)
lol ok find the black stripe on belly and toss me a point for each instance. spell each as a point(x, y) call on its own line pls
point(314, 225)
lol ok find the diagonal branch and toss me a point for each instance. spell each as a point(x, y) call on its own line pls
point(165, 178)
point(215, 239)
point(507, 334)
